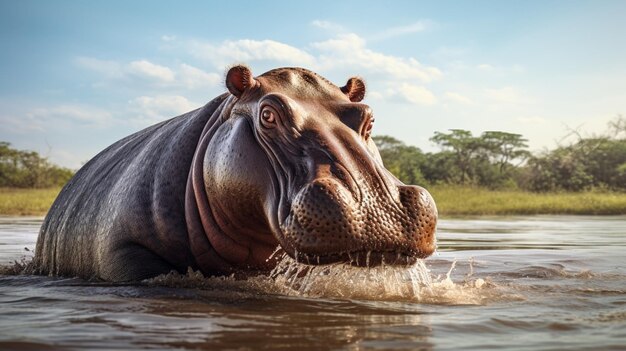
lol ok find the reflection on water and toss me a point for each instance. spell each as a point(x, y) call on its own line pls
point(526, 283)
point(17, 238)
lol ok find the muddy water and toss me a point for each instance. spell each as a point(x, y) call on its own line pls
point(516, 283)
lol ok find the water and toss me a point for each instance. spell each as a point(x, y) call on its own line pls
point(515, 283)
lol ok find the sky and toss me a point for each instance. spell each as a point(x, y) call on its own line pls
point(76, 76)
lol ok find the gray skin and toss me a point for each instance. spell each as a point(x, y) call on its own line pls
point(285, 159)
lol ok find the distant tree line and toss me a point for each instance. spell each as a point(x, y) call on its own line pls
point(493, 159)
point(501, 160)
point(27, 169)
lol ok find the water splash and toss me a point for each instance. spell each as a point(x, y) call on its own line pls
point(344, 280)
point(414, 283)
point(388, 283)
point(23, 266)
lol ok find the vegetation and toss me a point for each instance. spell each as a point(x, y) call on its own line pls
point(27, 169)
point(500, 161)
point(458, 200)
point(29, 183)
point(597, 162)
point(484, 160)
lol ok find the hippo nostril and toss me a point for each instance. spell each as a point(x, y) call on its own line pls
point(413, 195)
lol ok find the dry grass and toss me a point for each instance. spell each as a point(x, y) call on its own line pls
point(26, 202)
point(459, 200)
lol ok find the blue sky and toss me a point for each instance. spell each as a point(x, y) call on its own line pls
point(75, 76)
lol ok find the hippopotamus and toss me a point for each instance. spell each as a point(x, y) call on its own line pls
point(284, 159)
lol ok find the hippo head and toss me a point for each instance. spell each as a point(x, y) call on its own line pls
point(294, 164)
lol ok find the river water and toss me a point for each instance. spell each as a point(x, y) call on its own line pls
point(515, 283)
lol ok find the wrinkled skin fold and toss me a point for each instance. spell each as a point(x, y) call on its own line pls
point(285, 158)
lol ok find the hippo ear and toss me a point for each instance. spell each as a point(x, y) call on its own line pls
point(238, 79)
point(354, 89)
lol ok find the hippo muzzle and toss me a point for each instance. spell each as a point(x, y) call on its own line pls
point(327, 223)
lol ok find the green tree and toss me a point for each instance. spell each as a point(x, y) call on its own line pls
point(503, 148)
point(463, 146)
point(556, 170)
point(604, 160)
point(597, 161)
point(400, 159)
point(440, 167)
point(27, 169)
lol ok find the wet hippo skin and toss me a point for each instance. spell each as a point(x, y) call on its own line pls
point(285, 158)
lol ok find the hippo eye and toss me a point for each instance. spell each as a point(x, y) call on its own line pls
point(268, 115)
point(367, 131)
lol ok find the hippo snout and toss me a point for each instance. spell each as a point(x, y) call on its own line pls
point(322, 218)
point(330, 223)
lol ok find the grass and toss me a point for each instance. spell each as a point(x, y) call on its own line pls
point(26, 202)
point(461, 201)
point(451, 201)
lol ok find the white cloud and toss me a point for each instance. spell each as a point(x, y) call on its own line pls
point(518, 68)
point(20, 124)
point(149, 70)
point(44, 118)
point(485, 67)
point(349, 51)
point(456, 97)
point(416, 27)
point(109, 69)
point(67, 158)
point(410, 93)
point(193, 77)
point(247, 50)
point(167, 38)
point(146, 72)
point(447, 52)
point(77, 113)
point(535, 120)
point(507, 95)
point(375, 95)
point(327, 25)
point(417, 95)
point(153, 109)
point(346, 52)
point(513, 69)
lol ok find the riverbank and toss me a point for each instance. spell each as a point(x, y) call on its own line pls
point(451, 201)
point(465, 201)
point(26, 202)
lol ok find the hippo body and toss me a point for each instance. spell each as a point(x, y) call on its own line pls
point(126, 204)
point(283, 159)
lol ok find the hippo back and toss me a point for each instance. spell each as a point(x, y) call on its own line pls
point(122, 216)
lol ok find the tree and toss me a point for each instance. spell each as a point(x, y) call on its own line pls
point(556, 170)
point(400, 159)
point(596, 161)
point(463, 146)
point(440, 167)
point(504, 147)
